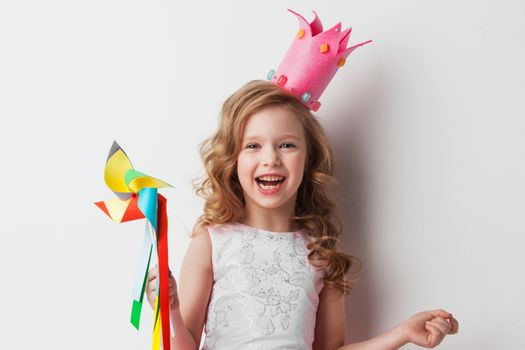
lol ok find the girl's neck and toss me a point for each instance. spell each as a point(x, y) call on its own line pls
point(270, 220)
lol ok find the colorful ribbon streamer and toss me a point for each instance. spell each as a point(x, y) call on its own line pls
point(138, 199)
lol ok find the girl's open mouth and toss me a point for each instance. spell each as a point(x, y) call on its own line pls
point(269, 184)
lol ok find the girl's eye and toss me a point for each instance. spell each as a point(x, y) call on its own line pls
point(287, 145)
point(251, 146)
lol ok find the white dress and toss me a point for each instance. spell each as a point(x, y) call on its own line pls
point(265, 292)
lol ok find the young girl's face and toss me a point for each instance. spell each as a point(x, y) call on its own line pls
point(270, 165)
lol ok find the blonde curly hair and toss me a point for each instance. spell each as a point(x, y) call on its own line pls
point(314, 209)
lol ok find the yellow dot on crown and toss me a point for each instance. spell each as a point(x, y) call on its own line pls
point(300, 33)
point(324, 48)
point(341, 62)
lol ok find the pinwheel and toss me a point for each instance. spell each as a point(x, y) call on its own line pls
point(137, 198)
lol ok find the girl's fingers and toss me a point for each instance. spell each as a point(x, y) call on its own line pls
point(440, 313)
point(151, 286)
point(435, 334)
point(152, 274)
point(454, 326)
point(172, 283)
point(443, 324)
point(443, 329)
point(173, 290)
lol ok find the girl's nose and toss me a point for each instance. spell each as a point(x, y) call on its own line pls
point(271, 158)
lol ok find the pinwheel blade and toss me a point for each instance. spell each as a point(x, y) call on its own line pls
point(137, 181)
point(117, 165)
point(121, 210)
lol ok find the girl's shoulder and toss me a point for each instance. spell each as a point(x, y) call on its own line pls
point(206, 233)
point(197, 259)
point(224, 228)
point(221, 234)
point(200, 243)
point(213, 233)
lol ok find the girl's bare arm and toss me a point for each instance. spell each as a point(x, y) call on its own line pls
point(189, 301)
point(426, 329)
point(330, 324)
point(196, 280)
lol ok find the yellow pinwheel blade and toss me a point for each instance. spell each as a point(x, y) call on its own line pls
point(117, 165)
point(141, 182)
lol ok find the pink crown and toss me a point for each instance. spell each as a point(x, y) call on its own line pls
point(312, 60)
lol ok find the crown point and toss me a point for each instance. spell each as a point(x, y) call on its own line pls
point(324, 48)
point(306, 97)
point(341, 62)
point(300, 33)
point(316, 106)
point(271, 74)
point(282, 80)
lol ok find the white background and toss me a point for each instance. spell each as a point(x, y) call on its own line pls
point(426, 124)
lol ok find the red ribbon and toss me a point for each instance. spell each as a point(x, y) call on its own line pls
point(164, 275)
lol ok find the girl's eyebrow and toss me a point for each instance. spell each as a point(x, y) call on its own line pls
point(290, 136)
point(257, 137)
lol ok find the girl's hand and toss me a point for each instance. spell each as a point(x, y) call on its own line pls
point(428, 328)
point(151, 290)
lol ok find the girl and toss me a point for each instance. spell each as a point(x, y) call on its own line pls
point(263, 270)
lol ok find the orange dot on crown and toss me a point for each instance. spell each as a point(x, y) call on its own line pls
point(300, 33)
point(324, 48)
point(316, 106)
point(341, 62)
point(282, 80)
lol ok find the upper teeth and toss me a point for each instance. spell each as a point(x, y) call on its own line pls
point(271, 178)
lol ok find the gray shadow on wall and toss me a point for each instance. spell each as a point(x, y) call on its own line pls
point(349, 131)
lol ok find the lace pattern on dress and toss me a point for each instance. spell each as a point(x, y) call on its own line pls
point(265, 293)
